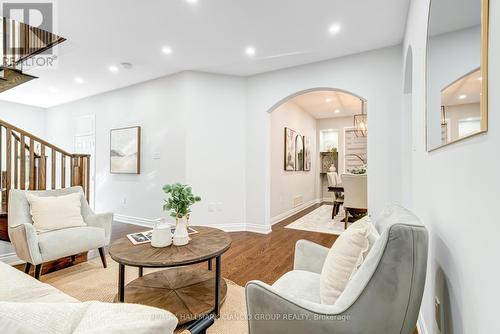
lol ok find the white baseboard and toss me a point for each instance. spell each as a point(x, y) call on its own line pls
point(291, 212)
point(258, 228)
point(134, 220)
point(229, 227)
point(421, 327)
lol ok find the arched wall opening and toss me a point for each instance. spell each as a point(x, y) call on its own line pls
point(314, 114)
point(407, 136)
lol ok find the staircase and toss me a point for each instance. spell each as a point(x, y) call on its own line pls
point(30, 163)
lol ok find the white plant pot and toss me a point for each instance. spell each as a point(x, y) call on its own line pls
point(162, 236)
point(181, 236)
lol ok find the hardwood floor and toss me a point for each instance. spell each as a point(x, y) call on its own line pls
point(261, 257)
point(255, 256)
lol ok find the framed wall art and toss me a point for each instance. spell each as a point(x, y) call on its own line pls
point(290, 151)
point(125, 150)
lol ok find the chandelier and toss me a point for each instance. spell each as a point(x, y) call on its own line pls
point(361, 122)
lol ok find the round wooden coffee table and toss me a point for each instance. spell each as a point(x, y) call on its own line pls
point(187, 292)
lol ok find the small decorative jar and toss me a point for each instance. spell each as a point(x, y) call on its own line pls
point(162, 236)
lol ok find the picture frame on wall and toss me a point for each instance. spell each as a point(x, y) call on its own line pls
point(289, 157)
point(125, 150)
point(307, 154)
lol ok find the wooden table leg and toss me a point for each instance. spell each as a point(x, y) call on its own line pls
point(141, 271)
point(121, 283)
point(217, 283)
point(210, 264)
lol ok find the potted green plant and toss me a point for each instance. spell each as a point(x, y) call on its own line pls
point(179, 204)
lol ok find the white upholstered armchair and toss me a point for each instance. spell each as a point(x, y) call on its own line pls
point(38, 248)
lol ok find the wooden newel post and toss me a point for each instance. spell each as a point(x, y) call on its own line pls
point(76, 179)
point(80, 172)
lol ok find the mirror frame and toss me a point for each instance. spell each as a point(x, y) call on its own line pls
point(484, 73)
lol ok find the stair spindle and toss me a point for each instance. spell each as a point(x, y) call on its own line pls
point(23, 162)
point(32, 185)
point(42, 169)
point(53, 169)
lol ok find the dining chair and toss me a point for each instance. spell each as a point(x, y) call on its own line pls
point(338, 197)
point(355, 195)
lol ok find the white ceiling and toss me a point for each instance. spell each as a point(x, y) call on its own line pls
point(325, 104)
point(210, 35)
point(463, 91)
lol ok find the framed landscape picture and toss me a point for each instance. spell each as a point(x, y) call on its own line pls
point(125, 150)
point(289, 149)
point(307, 153)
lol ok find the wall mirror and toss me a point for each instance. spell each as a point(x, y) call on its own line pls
point(457, 71)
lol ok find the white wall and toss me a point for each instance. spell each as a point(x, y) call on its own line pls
point(215, 148)
point(374, 76)
point(461, 216)
point(193, 122)
point(159, 108)
point(31, 119)
point(287, 185)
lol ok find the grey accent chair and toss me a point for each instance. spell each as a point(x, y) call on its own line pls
point(383, 297)
point(38, 248)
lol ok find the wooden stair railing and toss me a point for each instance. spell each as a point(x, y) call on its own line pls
point(30, 163)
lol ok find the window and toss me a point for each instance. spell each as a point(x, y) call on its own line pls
point(468, 125)
point(328, 139)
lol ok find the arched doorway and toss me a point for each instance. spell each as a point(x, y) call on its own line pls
point(407, 138)
point(332, 125)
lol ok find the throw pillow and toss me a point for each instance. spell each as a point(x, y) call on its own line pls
point(344, 258)
point(54, 213)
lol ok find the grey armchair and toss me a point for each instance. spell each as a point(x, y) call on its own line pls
point(38, 248)
point(383, 297)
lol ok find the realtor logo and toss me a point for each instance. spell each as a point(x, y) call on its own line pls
point(34, 14)
point(38, 15)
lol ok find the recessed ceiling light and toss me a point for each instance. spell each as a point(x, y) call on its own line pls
point(114, 68)
point(79, 80)
point(328, 100)
point(463, 96)
point(250, 51)
point(192, 2)
point(166, 50)
point(337, 111)
point(52, 89)
point(334, 29)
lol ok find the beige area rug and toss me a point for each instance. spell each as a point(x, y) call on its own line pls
point(320, 220)
point(90, 281)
